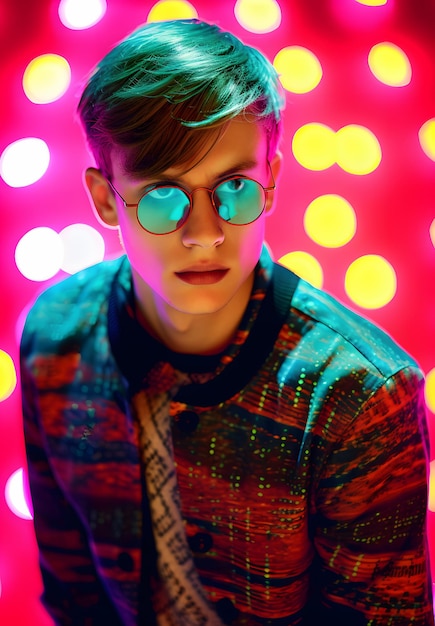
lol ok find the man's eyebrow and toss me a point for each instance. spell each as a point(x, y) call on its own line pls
point(247, 164)
point(239, 167)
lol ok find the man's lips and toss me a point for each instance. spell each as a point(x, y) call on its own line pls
point(204, 276)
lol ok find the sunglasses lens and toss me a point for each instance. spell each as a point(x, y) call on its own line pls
point(239, 200)
point(163, 209)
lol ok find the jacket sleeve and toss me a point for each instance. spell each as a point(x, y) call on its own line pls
point(72, 591)
point(370, 514)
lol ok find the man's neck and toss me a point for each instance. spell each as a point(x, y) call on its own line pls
point(192, 334)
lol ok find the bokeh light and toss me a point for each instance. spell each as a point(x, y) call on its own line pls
point(46, 78)
point(359, 16)
point(8, 376)
point(304, 265)
point(82, 246)
point(24, 161)
point(358, 151)
point(81, 14)
point(370, 281)
point(313, 146)
point(299, 69)
point(171, 10)
point(39, 254)
point(431, 498)
point(16, 495)
point(432, 232)
point(258, 16)
point(390, 65)
point(330, 221)
point(426, 136)
point(431, 495)
point(372, 3)
point(353, 147)
point(429, 390)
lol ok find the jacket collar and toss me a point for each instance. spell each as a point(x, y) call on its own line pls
point(136, 351)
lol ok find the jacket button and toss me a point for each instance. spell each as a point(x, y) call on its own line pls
point(226, 610)
point(201, 542)
point(187, 421)
point(125, 562)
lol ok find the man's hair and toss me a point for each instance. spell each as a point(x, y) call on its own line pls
point(153, 93)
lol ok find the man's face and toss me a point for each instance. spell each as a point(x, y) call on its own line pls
point(202, 266)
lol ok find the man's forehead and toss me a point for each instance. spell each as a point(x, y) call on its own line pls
point(233, 146)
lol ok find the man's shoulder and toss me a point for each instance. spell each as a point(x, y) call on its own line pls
point(73, 303)
point(336, 328)
point(94, 279)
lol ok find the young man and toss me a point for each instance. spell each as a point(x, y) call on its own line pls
point(211, 440)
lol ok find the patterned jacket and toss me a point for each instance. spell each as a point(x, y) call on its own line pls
point(301, 462)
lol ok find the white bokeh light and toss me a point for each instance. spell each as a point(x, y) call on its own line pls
point(24, 161)
point(81, 14)
point(39, 254)
point(83, 246)
point(16, 496)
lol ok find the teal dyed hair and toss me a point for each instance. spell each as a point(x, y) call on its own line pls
point(153, 93)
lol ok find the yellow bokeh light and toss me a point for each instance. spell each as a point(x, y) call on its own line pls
point(426, 136)
point(258, 16)
point(46, 78)
point(429, 390)
point(299, 69)
point(371, 281)
point(8, 376)
point(171, 10)
point(313, 146)
point(358, 151)
point(330, 221)
point(373, 3)
point(390, 65)
point(304, 265)
point(431, 498)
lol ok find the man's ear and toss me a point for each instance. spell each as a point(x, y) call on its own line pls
point(275, 166)
point(101, 197)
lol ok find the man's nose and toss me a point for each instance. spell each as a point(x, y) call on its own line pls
point(203, 226)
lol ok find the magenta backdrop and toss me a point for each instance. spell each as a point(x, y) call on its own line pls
point(395, 205)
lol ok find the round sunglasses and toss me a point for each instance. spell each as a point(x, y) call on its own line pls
point(164, 208)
